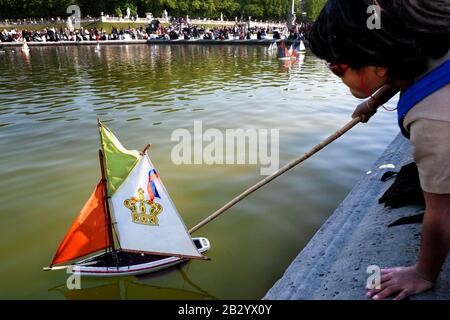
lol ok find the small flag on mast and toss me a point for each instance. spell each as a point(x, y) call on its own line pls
point(151, 187)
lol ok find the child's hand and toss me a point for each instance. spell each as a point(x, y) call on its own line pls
point(404, 282)
point(369, 107)
point(365, 110)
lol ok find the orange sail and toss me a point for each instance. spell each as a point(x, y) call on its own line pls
point(90, 231)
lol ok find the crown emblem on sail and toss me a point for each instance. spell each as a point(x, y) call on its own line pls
point(143, 211)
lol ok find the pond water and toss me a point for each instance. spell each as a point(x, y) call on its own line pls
point(49, 103)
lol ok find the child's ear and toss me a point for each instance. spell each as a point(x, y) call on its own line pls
point(381, 71)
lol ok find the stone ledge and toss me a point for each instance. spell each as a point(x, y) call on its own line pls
point(333, 264)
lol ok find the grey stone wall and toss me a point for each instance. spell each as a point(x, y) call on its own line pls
point(334, 263)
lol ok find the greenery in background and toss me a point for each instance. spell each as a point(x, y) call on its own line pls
point(313, 8)
point(257, 9)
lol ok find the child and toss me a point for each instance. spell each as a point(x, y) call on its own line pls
point(408, 52)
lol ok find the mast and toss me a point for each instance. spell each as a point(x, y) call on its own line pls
point(104, 181)
point(105, 198)
point(291, 17)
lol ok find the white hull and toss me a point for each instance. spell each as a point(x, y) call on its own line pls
point(164, 263)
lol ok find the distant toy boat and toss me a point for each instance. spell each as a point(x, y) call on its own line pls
point(97, 49)
point(284, 53)
point(130, 217)
point(300, 47)
point(273, 47)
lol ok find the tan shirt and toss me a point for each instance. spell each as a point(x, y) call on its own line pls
point(429, 126)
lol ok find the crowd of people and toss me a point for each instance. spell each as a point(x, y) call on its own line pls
point(178, 28)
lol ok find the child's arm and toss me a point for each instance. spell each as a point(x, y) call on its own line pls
point(435, 235)
point(431, 152)
point(369, 107)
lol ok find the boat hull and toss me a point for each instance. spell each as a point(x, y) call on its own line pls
point(203, 245)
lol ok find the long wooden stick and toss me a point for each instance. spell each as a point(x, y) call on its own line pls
point(278, 173)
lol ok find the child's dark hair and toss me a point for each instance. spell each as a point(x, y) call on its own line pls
point(412, 31)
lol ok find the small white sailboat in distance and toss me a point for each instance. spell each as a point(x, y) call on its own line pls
point(97, 49)
point(129, 225)
point(301, 47)
point(272, 47)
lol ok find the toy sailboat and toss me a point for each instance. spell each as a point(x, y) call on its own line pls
point(284, 53)
point(300, 47)
point(129, 225)
point(272, 47)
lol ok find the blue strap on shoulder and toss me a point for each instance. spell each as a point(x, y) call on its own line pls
point(427, 85)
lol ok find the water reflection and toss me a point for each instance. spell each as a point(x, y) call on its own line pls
point(289, 66)
point(132, 288)
point(130, 77)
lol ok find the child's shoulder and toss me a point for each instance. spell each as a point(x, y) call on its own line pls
point(429, 127)
point(431, 152)
point(437, 105)
point(434, 107)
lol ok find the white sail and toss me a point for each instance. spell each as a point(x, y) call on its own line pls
point(149, 225)
point(302, 46)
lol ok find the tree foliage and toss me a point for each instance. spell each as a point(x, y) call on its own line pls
point(257, 9)
point(312, 8)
